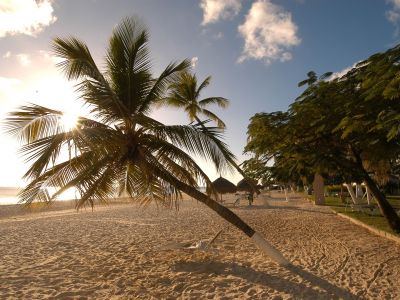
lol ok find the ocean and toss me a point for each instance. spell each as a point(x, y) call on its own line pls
point(9, 195)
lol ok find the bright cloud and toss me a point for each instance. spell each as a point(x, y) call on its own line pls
point(194, 61)
point(7, 54)
point(25, 16)
point(50, 57)
point(393, 14)
point(8, 83)
point(341, 73)
point(216, 10)
point(9, 92)
point(344, 71)
point(268, 33)
point(24, 59)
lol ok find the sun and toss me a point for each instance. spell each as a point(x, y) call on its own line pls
point(69, 120)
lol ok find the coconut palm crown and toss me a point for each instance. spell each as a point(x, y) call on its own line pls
point(185, 93)
point(118, 148)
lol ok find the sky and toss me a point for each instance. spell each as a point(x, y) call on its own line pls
point(256, 52)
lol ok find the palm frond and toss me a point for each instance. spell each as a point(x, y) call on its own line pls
point(32, 122)
point(169, 75)
point(78, 62)
point(128, 63)
point(185, 167)
point(202, 142)
point(220, 101)
point(202, 86)
point(213, 117)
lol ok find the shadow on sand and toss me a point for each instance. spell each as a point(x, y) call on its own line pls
point(319, 289)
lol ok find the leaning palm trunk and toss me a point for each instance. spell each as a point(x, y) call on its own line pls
point(386, 209)
point(232, 218)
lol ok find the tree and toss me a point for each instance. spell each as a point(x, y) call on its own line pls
point(313, 78)
point(344, 127)
point(119, 148)
point(185, 93)
point(318, 181)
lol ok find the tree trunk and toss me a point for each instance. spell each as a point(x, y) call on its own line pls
point(232, 218)
point(318, 187)
point(341, 194)
point(386, 209)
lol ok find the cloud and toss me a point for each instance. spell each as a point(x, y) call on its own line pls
point(219, 35)
point(341, 73)
point(8, 91)
point(216, 10)
point(48, 56)
point(7, 54)
point(28, 17)
point(24, 59)
point(346, 70)
point(194, 61)
point(268, 33)
point(393, 14)
point(7, 83)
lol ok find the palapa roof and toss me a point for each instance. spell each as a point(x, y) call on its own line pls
point(247, 185)
point(223, 186)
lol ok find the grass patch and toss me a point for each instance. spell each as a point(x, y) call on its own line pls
point(371, 218)
point(376, 221)
point(394, 201)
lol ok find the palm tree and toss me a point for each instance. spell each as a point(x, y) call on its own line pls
point(185, 93)
point(119, 148)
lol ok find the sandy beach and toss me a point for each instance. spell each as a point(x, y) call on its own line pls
point(127, 252)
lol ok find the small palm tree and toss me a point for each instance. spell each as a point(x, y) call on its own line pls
point(119, 148)
point(185, 93)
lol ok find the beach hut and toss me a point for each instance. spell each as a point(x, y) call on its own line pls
point(223, 186)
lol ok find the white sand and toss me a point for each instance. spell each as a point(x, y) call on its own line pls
point(115, 253)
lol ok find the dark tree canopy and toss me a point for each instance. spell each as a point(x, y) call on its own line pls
point(347, 127)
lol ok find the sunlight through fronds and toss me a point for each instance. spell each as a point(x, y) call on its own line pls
point(122, 152)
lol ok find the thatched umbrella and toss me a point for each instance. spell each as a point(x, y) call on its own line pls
point(223, 186)
point(248, 185)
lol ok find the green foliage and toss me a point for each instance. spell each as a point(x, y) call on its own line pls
point(333, 188)
point(347, 127)
point(185, 92)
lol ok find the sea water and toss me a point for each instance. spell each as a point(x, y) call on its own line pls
point(10, 195)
